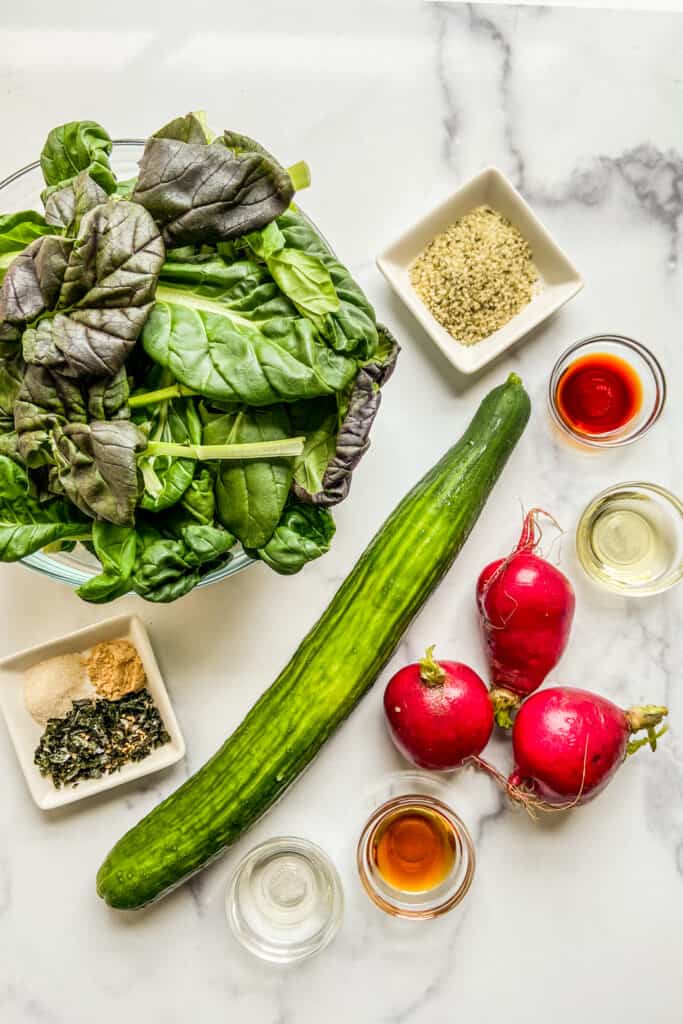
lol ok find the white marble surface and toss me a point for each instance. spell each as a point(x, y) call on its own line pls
point(393, 103)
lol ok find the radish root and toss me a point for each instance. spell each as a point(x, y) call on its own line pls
point(519, 795)
point(522, 795)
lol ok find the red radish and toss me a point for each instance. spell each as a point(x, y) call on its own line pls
point(526, 608)
point(439, 713)
point(569, 743)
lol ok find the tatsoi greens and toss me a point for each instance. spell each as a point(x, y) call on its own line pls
point(184, 364)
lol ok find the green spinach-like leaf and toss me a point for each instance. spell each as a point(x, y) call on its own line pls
point(17, 230)
point(205, 545)
point(250, 494)
point(301, 276)
point(242, 287)
point(169, 564)
point(116, 547)
point(214, 351)
point(335, 445)
point(352, 328)
point(125, 188)
point(26, 523)
point(74, 147)
point(165, 479)
point(199, 501)
point(318, 421)
point(197, 505)
point(305, 279)
point(303, 533)
point(96, 467)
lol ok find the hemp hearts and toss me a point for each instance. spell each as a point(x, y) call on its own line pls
point(476, 275)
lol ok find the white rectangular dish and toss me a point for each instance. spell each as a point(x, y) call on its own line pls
point(25, 733)
point(559, 279)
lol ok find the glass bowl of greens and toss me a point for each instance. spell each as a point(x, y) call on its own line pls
point(188, 376)
point(75, 567)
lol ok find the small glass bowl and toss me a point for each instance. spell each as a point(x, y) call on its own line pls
point(663, 510)
point(643, 363)
point(285, 900)
point(405, 790)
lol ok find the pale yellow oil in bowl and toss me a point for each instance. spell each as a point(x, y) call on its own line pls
point(631, 539)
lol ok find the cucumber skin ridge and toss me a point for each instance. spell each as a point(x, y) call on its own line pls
point(337, 662)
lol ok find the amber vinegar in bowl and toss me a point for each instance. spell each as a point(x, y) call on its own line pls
point(415, 855)
point(413, 848)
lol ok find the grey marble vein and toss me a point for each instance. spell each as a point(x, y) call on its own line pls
point(451, 116)
point(652, 174)
point(442, 969)
point(481, 23)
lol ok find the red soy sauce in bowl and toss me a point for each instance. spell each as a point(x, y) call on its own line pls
point(606, 391)
point(598, 393)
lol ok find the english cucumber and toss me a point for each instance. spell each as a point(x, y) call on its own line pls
point(333, 668)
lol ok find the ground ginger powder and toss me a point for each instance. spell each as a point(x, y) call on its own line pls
point(115, 669)
point(476, 275)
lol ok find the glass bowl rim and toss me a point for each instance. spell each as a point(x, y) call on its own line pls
point(609, 440)
point(672, 578)
point(325, 935)
point(35, 164)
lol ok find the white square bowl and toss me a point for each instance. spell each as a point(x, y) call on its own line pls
point(25, 733)
point(559, 280)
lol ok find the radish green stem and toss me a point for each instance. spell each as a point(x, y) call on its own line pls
point(256, 450)
point(646, 741)
point(648, 717)
point(431, 673)
point(504, 703)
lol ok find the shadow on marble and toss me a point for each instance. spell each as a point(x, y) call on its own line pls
point(128, 793)
point(407, 329)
